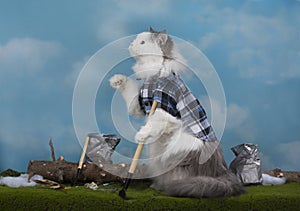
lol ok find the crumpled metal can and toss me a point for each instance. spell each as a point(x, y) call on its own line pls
point(101, 147)
point(246, 164)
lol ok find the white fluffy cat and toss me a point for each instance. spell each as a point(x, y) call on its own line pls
point(185, 157)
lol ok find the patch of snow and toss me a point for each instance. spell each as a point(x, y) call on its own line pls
point(21, 181)
point(270, 180)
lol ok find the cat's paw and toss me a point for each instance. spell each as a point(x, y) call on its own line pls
point(118, 81)
point(142, 137)
point(146, 135)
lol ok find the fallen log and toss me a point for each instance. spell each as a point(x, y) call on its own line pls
point(291, 176)
point(62, 171)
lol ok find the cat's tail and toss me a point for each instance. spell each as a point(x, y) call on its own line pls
point(205, 186)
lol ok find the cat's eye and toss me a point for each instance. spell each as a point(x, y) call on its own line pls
point(143, 42)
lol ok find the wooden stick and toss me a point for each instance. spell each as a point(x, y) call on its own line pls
point(52, 149)
point(140, 146)
point(135, 159)
point(86, 143)
point(153, 107)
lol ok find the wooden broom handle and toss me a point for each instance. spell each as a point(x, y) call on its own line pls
point(153, 107)
point(86, 143)
point(140, 145)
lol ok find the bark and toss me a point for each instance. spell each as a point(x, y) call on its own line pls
point(65, 172)
point(62, 171)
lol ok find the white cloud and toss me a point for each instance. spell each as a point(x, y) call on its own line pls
point(118, 17)
point(112, 29)
point(258, 45)
point(26, 54)
point(290, 154)
point(239, 121)
point(26, 139)
point(236, 116)
point(266, 162)
point(285, 156)
point(209, 39)
point(71, 78)
point(213, 105)
point(138, 8)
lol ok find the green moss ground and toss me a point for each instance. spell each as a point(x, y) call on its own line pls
point(281, 197)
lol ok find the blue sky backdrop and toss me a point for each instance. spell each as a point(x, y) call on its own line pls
point(254, 46)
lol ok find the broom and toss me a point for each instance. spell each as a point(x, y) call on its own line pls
point(135, 160)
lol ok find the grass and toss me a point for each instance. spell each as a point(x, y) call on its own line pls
point(281, 197)
point(10, 172)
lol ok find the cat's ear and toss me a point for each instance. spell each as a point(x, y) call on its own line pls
point(162, 38)
point(151, 30)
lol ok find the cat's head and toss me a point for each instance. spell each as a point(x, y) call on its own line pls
point(155, 51)
point(151, 43)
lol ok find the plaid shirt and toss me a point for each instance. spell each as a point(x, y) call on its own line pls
point(174, 97)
